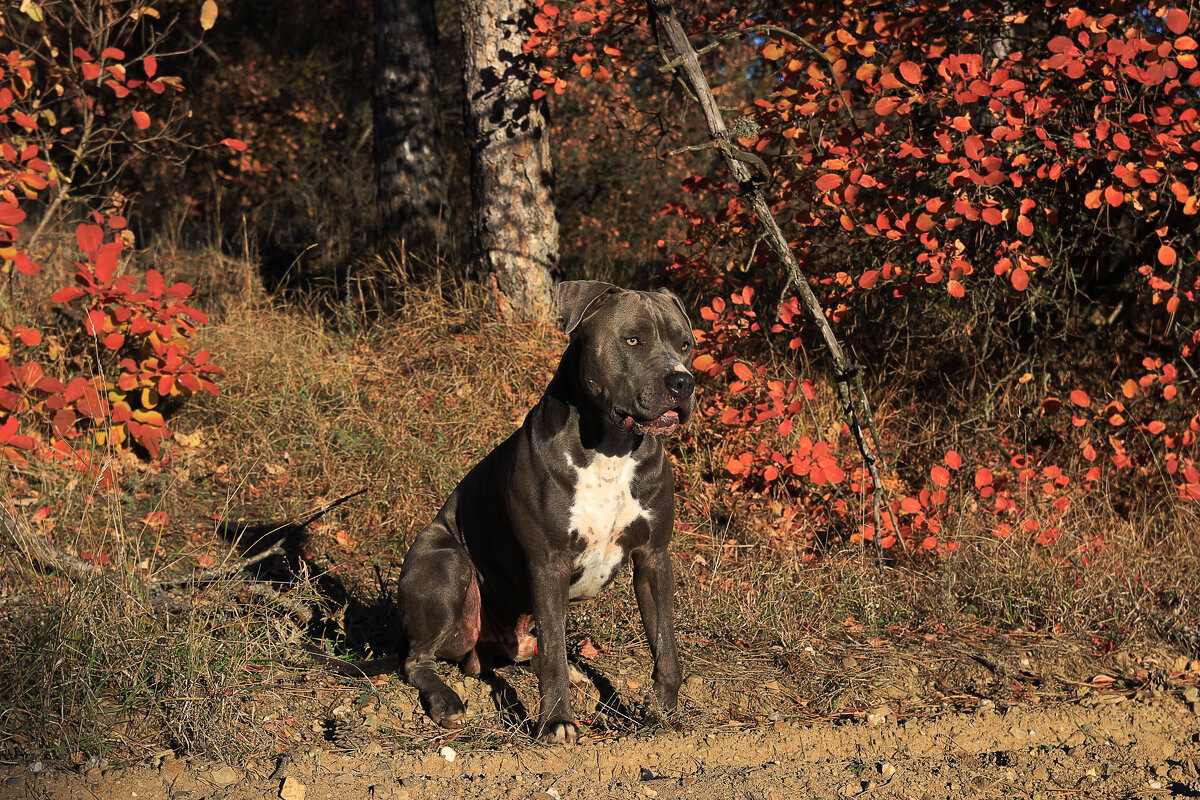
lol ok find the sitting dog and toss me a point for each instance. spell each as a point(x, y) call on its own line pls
point(553, 512)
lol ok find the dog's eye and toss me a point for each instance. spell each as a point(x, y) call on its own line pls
point(633, 341)
point(685, 347)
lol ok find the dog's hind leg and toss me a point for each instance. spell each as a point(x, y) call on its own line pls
point(440, 609)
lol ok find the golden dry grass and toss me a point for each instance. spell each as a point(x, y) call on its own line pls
point(319, 404)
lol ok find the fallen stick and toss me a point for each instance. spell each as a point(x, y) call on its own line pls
point(39, 549)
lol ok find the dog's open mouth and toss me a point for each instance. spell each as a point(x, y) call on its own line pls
point(664, 424)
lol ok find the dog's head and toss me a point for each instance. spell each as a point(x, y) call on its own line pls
point(634, 352)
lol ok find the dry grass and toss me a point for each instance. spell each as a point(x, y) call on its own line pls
point(317, 405)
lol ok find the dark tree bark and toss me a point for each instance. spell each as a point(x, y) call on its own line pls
point(514, 233)
point(409, 177)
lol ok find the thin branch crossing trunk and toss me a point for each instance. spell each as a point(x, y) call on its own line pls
point(856, 407)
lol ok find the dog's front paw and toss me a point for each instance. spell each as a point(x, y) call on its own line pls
point(445, 708)
point(559, 732)
point(666, 694)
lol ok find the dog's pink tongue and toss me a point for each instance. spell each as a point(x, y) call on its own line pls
point(664, 423)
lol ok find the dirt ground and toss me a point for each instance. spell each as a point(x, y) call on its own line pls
point(1124, 749)
point(1130, 731)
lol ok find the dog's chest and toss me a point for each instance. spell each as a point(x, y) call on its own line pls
point(603, 507)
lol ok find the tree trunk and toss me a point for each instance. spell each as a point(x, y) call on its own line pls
point(409, 179)
point(514, 233)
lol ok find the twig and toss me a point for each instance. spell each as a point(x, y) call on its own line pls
point(316, 515)
point(673, 64)
point(215, 573)
point(687, 65)
point(275, 549)
point(39, 549)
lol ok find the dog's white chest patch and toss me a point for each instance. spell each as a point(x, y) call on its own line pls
point(604, 507)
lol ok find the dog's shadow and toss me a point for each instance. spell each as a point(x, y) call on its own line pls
point(357, 626)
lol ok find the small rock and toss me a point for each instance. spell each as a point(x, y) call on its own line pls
point(447, 753)
point(292, 789)
point(15, 782)
point(1191, 694)
point(850, 789)
point(224, 775)
point(878, 716)
point(693, 687)
point(1041, 774)
point(36, 767)
point(1168, 750)
point(886, 770)
point(1075, 739)
point(373, 749)
point(850, 662)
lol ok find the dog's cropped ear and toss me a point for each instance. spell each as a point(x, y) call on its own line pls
point(678, 303)
point(576, 297)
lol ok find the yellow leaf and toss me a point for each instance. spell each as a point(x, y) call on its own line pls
point(32, 10)
point(208, 14)
point(773, 52)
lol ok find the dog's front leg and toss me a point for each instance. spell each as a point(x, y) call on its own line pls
point(654, 586)
point(556, 719)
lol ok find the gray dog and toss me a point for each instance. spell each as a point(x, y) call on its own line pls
point(551, 514)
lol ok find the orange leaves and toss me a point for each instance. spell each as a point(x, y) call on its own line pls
point(983, 478)
point(910, 72)
point(1177, 21)
point(149, 333)
point(1166, 255)
point(1020, 279)
point(886, 106)
point(828, 182)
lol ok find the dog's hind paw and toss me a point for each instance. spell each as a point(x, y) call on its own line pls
point(559, 733)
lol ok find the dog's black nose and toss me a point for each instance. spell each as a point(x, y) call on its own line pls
point(680, 384)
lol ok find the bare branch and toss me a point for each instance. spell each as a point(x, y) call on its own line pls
point(854, 408)
point(39, 549)
point(673, 64)
point(218, 572)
